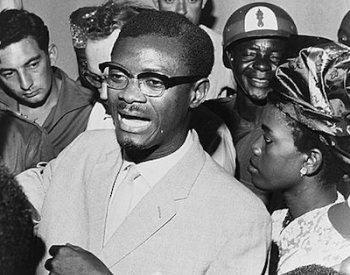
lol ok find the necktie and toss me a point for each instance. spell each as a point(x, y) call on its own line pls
point(121, 202)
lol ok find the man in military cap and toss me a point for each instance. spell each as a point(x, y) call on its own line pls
point(255, 40)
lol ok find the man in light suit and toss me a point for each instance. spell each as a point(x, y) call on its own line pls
point(186, 214)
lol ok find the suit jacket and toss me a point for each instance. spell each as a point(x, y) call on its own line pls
point(196, 220)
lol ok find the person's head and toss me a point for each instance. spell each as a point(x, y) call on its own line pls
point(255, 39)
point(313, 269)
point(79, 21)
point(11, 4)
point(344, 30)
point(192, 9)
point(159, 68)
point(25, 57)
point(16, 227)
point(101, 35)
point(306, 129)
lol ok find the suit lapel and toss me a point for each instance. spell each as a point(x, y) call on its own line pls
point(99, 189)
point(156, 209)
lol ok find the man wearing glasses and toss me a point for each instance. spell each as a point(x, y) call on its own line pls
point(150, 201)
point(101, 34)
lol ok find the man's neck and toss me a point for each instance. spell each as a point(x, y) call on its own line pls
point(247, 109)
point(40, 113)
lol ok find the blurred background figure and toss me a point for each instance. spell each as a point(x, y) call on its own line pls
point(100, 34)
point(79, 22)
point(304, 152)
point(16, 228)
point(344, 30)
point(221, 80)
point(11, 4)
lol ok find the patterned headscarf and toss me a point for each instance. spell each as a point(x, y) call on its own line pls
point(316, 85)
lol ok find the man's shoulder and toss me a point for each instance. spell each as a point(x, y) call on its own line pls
point(73, 87)
point(98, 138)
point(13, 120)
point(232, 193)
point(92, 142)
point(212, 33)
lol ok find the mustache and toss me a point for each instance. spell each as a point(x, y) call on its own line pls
point(129, 107)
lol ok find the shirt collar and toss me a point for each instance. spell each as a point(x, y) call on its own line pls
point(153, 170)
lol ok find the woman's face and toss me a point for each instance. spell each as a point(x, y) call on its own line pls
point(276, 162)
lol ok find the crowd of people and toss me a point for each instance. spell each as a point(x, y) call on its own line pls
point(177, 150)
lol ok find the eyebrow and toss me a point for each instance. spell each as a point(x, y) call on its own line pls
point(37, 57)
point(266, 128)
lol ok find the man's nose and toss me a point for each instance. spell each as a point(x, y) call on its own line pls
point(262, 63)
point(25, 80)
point(132, 93)
point(181, 7)
point(256, 146)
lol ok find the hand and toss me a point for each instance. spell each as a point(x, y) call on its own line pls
point(345, 267)
point(73, 260)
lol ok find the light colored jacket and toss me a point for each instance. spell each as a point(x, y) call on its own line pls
point(196, 220)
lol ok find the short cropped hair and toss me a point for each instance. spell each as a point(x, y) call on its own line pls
point(16, 25)
point(197, 50)
point(16, 227)
point(111, 16)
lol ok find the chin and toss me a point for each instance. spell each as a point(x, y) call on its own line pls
point(261, 101)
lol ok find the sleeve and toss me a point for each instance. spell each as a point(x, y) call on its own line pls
point(247, 254)
point(35, 183)
point(225, 153)
point(38, 149)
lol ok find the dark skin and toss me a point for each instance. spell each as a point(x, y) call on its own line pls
point(71, 259)
point(253, 64)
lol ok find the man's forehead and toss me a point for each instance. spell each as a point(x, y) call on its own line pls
point(149, 52)
point(170, 46)
point(263, 42)
point(19, 53)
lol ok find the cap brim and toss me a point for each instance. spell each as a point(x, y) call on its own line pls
point(298, 42)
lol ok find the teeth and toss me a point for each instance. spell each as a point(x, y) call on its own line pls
point(134, 122)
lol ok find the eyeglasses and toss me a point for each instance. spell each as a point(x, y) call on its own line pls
point(150, 83)
point(94, 79)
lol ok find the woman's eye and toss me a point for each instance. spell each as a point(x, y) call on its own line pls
point(267, 139)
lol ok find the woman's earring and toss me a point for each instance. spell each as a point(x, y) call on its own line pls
point(303, 171)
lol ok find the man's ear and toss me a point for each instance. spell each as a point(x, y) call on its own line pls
point(156, 4)
point(313, 161)
point(53, 54)
point(199, 92)
point(204, 3)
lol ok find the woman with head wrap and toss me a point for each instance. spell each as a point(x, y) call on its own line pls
point(304, 153)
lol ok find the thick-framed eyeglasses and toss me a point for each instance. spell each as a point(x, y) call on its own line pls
point(94, 79)
point(150, 83)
